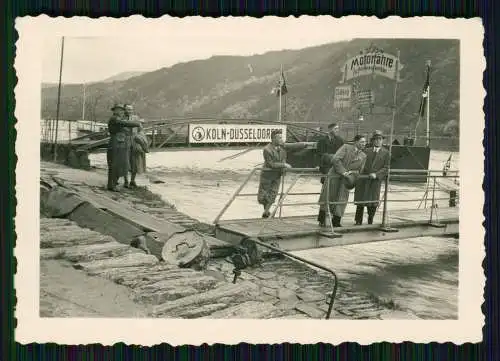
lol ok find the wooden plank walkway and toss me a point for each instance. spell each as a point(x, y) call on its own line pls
point(302, 232)
point(142, 220)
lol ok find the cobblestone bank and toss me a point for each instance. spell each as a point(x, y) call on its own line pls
point(279, 288)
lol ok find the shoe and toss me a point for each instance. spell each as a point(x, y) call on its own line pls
point(133, 185)
point(358, 223)
point(266, 214)
point(112, 189)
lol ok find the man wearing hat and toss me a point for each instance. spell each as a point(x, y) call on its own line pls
point(118, 146)
point(275, 164)
point(347, 164)
point(367, 192)
point(328, 145)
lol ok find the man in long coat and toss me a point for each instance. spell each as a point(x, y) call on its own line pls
point(347, 164)
point(367, 192)
point(118, 146)
point(328, 145)
point(275, 162)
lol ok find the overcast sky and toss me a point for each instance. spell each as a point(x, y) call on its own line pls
point(88, 59)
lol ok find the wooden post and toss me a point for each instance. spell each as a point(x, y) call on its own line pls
point(58, 99)
point(385, 221)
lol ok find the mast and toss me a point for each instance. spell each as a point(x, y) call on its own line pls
point(83, 103)
point(428, 130)
point(386, 188)
point(281, 93)
point(58, 99)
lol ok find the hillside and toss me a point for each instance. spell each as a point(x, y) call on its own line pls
point(240, 87)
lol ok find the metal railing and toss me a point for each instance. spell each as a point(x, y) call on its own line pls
point(432, 176)
point(300, 259)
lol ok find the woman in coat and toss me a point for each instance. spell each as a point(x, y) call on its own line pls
point(275, 162)
point(118, 146)
point(139, 148)
point(367, 192)
point(347, 162)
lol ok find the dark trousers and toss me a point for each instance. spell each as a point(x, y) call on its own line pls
point(322, 219)
point(112, 179)
point(359, 214)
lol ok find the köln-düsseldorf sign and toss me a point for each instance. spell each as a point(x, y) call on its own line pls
point(372, 63)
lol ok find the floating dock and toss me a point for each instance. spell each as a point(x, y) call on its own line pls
point(299, 233)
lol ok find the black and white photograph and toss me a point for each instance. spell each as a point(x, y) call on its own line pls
point(210, 172)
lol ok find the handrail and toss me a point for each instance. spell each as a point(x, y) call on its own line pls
point(315, 172)
point(226, 206)
point(314, 264)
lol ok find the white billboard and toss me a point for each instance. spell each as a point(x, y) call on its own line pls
point(342, 99)
point(233, 133)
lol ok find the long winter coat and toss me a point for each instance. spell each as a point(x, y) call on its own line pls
point(347, 158)
point(368, 190)
point(139, 148)
point(275, 160)
point(119, 145)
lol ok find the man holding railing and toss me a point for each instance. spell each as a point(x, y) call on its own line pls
point(367, 193)
point(328, 145)
point(347, 163)
point(275, 162)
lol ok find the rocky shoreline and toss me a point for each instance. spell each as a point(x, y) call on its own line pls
point(278, 288)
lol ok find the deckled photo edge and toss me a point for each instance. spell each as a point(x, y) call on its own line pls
point(226, 330)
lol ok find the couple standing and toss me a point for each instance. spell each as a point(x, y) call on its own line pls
point(127, 146)
point(343, 167)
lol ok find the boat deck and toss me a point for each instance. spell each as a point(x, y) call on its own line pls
point(303, 232)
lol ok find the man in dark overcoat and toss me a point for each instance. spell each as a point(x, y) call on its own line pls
point(118, 146)
point(347, 164)
point(274, 164)
point(367, 193)
point(327, 146)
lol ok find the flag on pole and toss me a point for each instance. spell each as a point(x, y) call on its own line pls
point(425, 91)
point(447, 165)
point(281, 88)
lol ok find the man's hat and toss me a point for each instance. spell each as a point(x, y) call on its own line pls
point(275, 133)
point(117, 106)
point(129, 106)
point(350, 181)
point(378, 133)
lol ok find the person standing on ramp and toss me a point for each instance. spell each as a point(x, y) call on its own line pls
point(367, 193)
point(275, 162)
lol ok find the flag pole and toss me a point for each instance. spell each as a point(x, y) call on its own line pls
point(281, 93)
point(385, 218)
point(58, 99)
point(428, 131)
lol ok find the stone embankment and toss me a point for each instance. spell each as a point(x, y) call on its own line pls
point(97, 243)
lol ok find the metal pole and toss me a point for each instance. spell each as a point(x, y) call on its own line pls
point(83, 103)
point(58, 99)
point(387, 179)
point(428, 133)
point(281, 94)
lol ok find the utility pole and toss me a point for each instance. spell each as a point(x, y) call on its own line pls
point(58, 99)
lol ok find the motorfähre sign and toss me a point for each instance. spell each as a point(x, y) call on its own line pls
point(233, 133)
point(372, 63)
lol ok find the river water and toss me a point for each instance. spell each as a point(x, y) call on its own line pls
point(419, 274)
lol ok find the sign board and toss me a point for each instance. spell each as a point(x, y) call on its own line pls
point(233, 133)
point(365, 97)
point(372, 63)
point(342, 99)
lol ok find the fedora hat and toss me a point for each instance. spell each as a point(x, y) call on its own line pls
point(350, 181)
point(378, 133)
point(117, 106)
